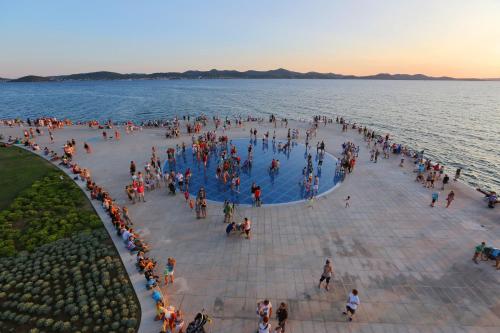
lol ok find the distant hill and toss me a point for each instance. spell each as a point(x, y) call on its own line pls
point(32, 78)
point(279, 73)
point(4, 79)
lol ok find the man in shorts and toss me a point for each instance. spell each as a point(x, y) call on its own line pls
point(352, 304)
point(327, 274)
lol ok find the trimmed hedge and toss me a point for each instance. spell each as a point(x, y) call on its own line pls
point(51, 209)
point(73, 284)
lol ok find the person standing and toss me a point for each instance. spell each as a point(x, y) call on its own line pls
point(140, 192)
point(327, 274)
point(450, 198)
point(264, 309)
point(169, 270)
point(203, 207)
point(132, 168)
point(228, 212)
point(257, 196)
point(282, 316)
point(352, 304)
point(347, 200)
point(247, 227)
point(87, 148)
point(457, 174)
point(252, 191)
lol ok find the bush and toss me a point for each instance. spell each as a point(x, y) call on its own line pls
point(51, 209)
point(65, 273)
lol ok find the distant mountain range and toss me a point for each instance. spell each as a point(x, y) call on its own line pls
point(229, 74)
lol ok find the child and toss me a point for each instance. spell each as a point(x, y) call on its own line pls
point(352, 304)
point(347, 201)
point(478, 251)
point(169, 270)
point(435, 196)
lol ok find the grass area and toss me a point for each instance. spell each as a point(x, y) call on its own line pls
point(49, 208)
point(59, 270)
point(19, 169)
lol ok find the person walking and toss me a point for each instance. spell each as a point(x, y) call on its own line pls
point(327, 274)
point(435, 197)
point(450, 198)
point(446, 179)
point(352, 304)
point(228, 212)
point(282, 316)
point(132, 168)
point(126, 216)
point(347, 200)
point(264, 326)
point(264, 309)
point(203, 204)
point(169, 270)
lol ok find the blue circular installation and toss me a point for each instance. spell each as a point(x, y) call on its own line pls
point(282, 186)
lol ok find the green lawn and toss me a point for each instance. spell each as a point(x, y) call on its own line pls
point(19, 169)
point(59, 270)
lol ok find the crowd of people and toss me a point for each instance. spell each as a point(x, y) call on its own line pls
point(428, 173)
point(229, 164)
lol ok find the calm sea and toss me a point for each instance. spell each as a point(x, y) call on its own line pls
point(457, 123)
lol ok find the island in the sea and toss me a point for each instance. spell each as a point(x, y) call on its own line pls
point(229, 74)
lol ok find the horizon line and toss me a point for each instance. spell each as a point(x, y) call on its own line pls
point(255, 70)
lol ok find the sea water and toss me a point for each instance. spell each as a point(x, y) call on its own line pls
point(456, 122)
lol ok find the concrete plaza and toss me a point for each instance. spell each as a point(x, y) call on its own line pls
point(411, 263)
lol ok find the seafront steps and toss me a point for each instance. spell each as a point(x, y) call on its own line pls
point(406, 260)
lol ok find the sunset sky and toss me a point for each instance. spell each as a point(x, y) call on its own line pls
point(458, 38)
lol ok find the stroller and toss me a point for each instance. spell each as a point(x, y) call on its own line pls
point(171, 188)
point(197, 325)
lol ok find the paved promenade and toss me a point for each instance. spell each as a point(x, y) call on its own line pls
point(411, 263)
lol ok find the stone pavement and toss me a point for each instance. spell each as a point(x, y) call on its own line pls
point(411, 263)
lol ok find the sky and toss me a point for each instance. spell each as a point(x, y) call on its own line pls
point(459, 38)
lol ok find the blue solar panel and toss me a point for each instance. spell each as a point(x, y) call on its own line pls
point(282, 186)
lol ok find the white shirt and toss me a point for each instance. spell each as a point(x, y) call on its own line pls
point(126, 235)
point(264, 328)
point(353, 301)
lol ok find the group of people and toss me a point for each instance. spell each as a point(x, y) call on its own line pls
point(122, 222)
point(264, 312)
point(428, 173)
point(485, 253)
point(244, 227)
